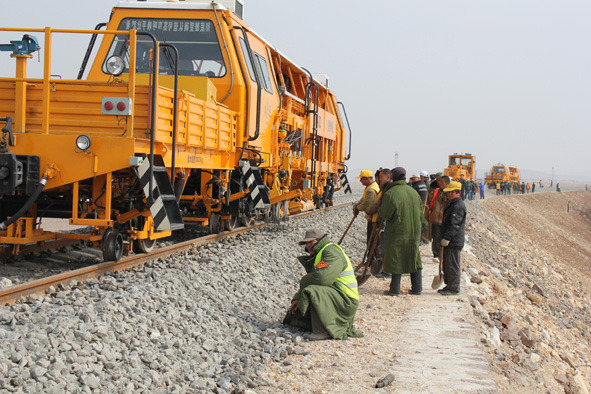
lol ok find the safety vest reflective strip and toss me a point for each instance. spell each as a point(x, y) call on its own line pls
point(346, 280)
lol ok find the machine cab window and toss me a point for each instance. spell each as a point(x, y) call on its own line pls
point(196, 41)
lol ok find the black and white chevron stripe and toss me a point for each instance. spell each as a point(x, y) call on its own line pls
point(345, 182)
point(251, 183)
point(157, 209)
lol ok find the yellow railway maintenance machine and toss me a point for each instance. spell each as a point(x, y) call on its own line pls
point(178, 90)
point(461, 164)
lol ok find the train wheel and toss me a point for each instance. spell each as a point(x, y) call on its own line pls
point(230, 224)
point(268, 217)
point(246, 220)
point(143, 245)
point(112, 245)
point(215, 223)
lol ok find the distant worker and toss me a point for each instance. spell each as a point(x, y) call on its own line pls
point(541, 186)
point(402, 208)
point(436, 207)
point(419, 185)
point(568, 206)
point(586, 187)
point(558, 187)
point(533, 187)
point(464, 188)
point(385, 180)
point(522, 187)
point(498, 187)
point(551, 182)
point(482, 191)
point(473, 188)
point(452, 231)
point(424, 175)
point(368, 198)
point(327, 299)
point(527, 187)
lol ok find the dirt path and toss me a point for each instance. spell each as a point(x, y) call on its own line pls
point(430, 343)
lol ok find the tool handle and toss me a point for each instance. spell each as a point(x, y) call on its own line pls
point(346, 230)
point(441, 261)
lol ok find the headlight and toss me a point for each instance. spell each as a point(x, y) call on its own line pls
point(115, 65)
point(83, 142)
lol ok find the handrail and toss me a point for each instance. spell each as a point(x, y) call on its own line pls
point(89, 50)
point(155, 69)
point(348, 126)
point(46, 80)
point(175, 106)
point(259, 85)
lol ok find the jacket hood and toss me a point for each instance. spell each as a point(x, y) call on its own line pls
point(321, 244)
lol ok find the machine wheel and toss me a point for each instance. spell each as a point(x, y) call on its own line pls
point(246, 220)
point(215, 223)
point(143, 245)
point(230, 225)
point(112, 245)
point(268, 215)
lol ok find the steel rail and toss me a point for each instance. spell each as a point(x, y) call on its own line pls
point(12, 294)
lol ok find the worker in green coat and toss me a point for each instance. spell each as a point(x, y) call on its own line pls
point(328, 298)
point(402, 208)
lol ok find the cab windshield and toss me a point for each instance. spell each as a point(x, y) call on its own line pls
point(195, 39)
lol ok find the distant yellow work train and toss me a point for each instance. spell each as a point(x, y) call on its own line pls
point(500, 173)
point(185, 115)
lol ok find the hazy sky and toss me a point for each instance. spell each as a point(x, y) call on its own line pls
point(507, 81)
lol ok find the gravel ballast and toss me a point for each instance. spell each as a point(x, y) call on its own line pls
point(205, 320)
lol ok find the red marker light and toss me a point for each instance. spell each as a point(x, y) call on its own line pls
point(108, 105)
point(121, 106)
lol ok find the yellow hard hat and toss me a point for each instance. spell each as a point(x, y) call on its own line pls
point(365, 174)
point(453, 185)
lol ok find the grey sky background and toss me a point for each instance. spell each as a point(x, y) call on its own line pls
point(508, 81)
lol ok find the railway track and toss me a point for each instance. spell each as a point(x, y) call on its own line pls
point(12, 294)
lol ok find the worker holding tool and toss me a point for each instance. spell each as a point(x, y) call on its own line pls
point(327, 300)
point(368, 198)
point(452, 238)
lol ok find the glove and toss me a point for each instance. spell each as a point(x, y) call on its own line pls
point(355, 210)
point(444, 242)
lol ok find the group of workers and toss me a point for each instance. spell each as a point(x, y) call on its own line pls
point(400, 216)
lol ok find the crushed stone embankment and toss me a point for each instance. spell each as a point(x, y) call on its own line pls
point(530, 261)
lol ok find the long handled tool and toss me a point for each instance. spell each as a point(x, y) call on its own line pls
point(347, 229)
point(362, 271)
point(438, 279)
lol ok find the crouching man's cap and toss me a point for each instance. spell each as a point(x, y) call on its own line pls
point(311, 235)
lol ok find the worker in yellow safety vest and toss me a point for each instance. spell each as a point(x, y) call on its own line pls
point(327, 299)
point(369, 196)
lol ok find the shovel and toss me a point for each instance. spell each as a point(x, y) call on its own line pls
point(362, 271)
point(438, 279)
